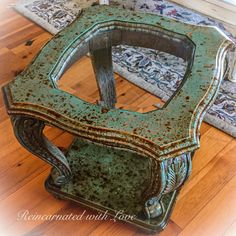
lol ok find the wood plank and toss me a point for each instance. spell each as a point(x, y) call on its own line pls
point(13, 26)
point(3, 116)
point(212, 142)
point(10, 66)
point(9, 146)
point(22, 166)
point(32, 197)
point(217, 217)
point(223, 5)
point(171, 229)
point(201, 164)
point(218, 173)
point(34, 44)
point(20, 174)
point(81, 226)
point(21, 35)
point(114, 228)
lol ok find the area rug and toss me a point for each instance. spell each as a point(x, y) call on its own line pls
point(157, 72)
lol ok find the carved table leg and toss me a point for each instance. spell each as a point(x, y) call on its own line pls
point(29, 132)
point(101, 55)
point(166, 177)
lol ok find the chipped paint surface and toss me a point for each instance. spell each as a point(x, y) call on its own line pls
point(158, 134)
point(102, 176)
point(110, 189)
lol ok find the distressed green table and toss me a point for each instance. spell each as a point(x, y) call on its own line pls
point(120, 160)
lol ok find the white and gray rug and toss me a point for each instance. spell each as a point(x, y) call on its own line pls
point(157, 72)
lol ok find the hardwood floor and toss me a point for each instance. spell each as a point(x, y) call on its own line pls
point(217, 9)
point(206, 205)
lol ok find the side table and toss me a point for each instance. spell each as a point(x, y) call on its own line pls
point(120, 160)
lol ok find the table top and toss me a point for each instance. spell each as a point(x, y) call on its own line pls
point(160, 134)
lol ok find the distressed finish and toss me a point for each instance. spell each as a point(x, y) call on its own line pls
point(161, 141)
point(170, 174)
point(29, 132)
point(100, 50)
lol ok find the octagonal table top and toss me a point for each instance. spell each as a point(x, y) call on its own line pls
point(160, 134)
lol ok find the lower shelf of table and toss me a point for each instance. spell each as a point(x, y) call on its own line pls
point(113, 181)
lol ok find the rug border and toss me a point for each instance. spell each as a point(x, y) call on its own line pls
point(19, 7)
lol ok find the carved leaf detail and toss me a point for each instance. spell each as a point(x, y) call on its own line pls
point(176, 174)
point(171, 177)
point(181, 174)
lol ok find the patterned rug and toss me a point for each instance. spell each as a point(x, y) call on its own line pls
point(157, 72)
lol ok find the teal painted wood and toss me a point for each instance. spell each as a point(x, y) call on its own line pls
point(177, 124)
point(167, 137)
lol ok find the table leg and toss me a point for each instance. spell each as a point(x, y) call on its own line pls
point(166, 177)
point(101, 55)
point(29, 132)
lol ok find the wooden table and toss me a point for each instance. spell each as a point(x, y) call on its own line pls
point(120, 161)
